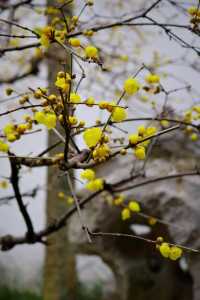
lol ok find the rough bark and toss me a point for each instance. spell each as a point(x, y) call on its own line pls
point(59, 267)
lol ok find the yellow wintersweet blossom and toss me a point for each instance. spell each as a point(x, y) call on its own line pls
point(4, 184)
point(88, 33)
point(52, 98)
point(103, 104)
point(60, 35)
point(119, 114)
point(88, 174)
point(95, 185)
point(141, 130)
point(152, 78)
point(9, 128)
point(139, 152)
point(21, 128)
point(125, 214)
point(39, 117)
point(194, 11)
point(124, 57)
point(175, 253)
point(91, 52)
point(90, 2)
point(75, 98)
point(90, 101)
point(74, 42)
point(196, 108)
point(123, 151)
point(164, 249)
point(3, 146)
point(47, 119)
point(92, 136)
point(164, 123)
point(134, 206)
point(63, 82)
point(131, 86)
point(194, 137)
point(101, 152)
point(12, 137)
point(70, 200)
point(10, 132)
point(72, 120)
point(150, 131)
point(9, 91)
point(81, 124)
point(50, 120)
point(118, 200)
point(47, 36)
point(61, 195)
point(133, 139)
point(152, 221)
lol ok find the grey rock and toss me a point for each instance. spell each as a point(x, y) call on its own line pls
point(139, 270)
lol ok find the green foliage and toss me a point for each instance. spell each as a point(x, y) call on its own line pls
point(90, 293)
point(12, 294)
point(84, 293)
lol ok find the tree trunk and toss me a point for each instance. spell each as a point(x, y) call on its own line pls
point(59, 266)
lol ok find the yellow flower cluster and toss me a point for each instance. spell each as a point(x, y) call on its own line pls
point(193, 11)
point(13, 132)
point(191, 115)
point(39, 93)
point(46, 118)
point(88, 174)
point(60, 35)
point(171, 252)
point(118, 200)
point(133, 207)
point(101, 152)
point(131, 86)
point(88, 33)
point(195, 15)
point(3, 146)
point(63, 81)
point(10, 132)
point(135, 141)
point(109, 106)
point(93, 184)
point(50, 10)
point(152, 78)
point(118, 113)
point(69, 200)
point(46, 36)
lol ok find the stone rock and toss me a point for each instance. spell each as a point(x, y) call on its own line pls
point(139, 269)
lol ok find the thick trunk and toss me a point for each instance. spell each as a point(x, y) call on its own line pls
point(59, 267)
